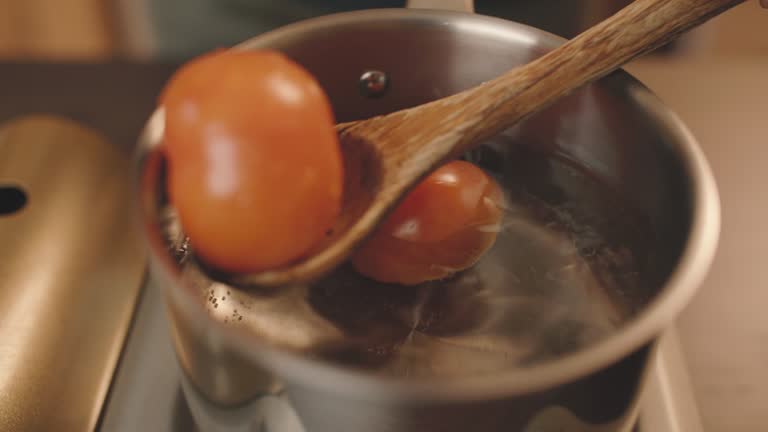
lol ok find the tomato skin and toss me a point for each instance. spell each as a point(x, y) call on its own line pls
point(444, 225)
point(255, 169)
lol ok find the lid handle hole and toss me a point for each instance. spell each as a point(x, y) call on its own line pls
point(12, 199)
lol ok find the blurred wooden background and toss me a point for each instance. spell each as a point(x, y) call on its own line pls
point(56, 29)
point(89, 30)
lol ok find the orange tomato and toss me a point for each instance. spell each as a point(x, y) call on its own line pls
point(443, 226)
point(255, 168)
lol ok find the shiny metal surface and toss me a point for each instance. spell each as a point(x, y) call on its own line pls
point(71, 268)
point(373, 83)
point(455, 5)
point(616, 128)
point(668, 402)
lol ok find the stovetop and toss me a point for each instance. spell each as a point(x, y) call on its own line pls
point(147, 391)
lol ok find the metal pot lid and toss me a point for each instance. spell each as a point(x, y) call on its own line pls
point(71, 268)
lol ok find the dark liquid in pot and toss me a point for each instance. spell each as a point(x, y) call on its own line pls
point(564, 273)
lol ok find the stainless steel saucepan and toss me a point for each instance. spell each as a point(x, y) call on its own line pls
point(612, 223)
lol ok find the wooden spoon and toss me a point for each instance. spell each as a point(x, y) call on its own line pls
point(385, 156)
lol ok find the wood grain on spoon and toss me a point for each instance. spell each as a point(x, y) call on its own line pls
point(386, 155)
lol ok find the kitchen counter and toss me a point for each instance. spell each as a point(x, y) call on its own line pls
point(724, 332)
point(114, 98)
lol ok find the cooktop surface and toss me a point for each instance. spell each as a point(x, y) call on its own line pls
point(147, 390)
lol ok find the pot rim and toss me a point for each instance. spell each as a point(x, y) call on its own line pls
point(634, 334)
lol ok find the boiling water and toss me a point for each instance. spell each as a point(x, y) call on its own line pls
point(564, 273)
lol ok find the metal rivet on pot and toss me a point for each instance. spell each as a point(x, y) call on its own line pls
point(373, 83)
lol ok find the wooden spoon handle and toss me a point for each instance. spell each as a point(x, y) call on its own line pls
point(635, 30)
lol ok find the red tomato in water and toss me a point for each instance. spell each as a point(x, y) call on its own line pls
point(444, 225)
point(255, 169)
